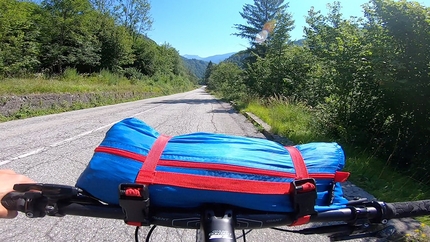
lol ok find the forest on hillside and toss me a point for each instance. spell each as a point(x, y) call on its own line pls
point(87, 36)
point(365, 79)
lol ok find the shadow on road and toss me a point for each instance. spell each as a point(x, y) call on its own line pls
point(188, 101)
point(229, 111)
point(198, 101)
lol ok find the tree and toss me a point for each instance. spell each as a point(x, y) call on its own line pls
point(135, 15)
point(115, 45)
point(68, 36)
point(404, 33)
point(209, 68)
point(273, 12)
point(352, 98)
point(145, 52)
point(226, 78)
point(19, 32)
point(272, 17)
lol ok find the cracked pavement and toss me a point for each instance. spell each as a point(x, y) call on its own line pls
point(56, 148)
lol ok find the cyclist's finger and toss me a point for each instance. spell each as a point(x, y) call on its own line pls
point(8, 179)
point(4, 213)
point(7, 172)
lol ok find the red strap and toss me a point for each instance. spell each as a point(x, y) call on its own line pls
point(134, 223)
point(301, 173)
point(338, 176)
point(147, 172)
point(298, 162)
point(302, 220)
point(341, 176)
point(222, 184)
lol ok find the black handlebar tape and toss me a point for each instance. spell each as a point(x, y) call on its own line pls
point(408, 209)
point(11, 200)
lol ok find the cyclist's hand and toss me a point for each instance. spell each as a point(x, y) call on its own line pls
point(8, 178)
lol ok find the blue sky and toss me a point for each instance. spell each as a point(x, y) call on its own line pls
point(204, 27)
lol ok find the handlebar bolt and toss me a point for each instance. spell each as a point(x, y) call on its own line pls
point(29, 214)
point(49, 209)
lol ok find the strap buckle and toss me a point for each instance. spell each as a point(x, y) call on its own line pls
point(303, 197)
point(134, 201)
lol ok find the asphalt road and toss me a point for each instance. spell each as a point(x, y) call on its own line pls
point(56, 148)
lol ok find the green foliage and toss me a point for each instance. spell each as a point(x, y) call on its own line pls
point(406, 91)
point(109, 78)
point(209, 68)
point(256, 15)
point(296, 121)
point(288, 73)
point(226, 78)
point(116, 44)
point(76, 38)
point(70, 74)
point(353, 96)
point(134, 15)
point(366, 79)
point(19, 31)
point(197, 67)
point(132, 73)
point(239, 58)
point(287, 118)
point(145, 52)
point(68, 37)
point(261, 13)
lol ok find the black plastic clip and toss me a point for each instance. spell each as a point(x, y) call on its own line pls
point(41, 198)
point(303, 196)
point(134, 201)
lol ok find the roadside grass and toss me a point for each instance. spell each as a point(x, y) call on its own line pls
point(102, 86)
point(101, 82)
point(295, 122)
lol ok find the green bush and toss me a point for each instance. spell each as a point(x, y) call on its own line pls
point(132, 73)
point(70, 74)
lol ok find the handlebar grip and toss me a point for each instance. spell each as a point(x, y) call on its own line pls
point(408, 209)
point(13, 201)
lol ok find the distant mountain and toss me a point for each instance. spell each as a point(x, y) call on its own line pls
point(215, 58)
point(238, 58)
point(192, 57)
point(197, 67)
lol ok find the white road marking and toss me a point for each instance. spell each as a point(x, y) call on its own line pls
point(40, 150)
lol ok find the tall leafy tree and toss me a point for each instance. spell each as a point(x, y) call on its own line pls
point(19, 33)
point(134, 15)
point(145, 52)
point(116, 44)
point(352, 94)
point(258, 14)
point(271, 17)
point(226, 78)
point(103, 6)
point(209, 68)
point(69, 39)
point(272, 12)
point(406, 89)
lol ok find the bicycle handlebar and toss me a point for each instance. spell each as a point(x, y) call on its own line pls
point(251, 219)
point(408, 209)
point(38, 200)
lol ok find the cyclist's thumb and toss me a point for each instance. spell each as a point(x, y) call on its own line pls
point(4, 213)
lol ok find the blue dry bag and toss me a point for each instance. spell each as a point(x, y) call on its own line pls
point(193, 169)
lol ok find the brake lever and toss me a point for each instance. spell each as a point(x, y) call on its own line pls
point(50, 191)
point(42, 199)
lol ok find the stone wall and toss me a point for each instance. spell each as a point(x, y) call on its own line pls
point(9, 105)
